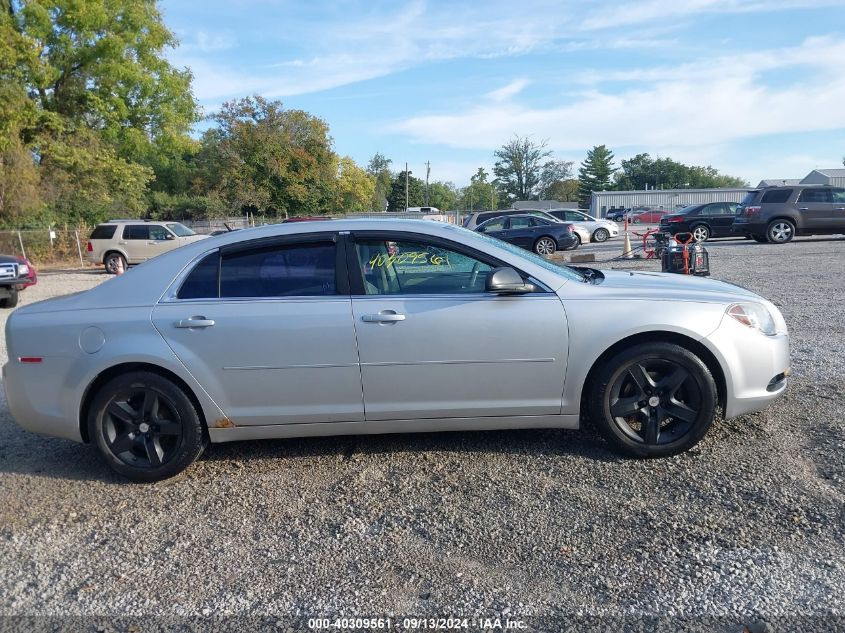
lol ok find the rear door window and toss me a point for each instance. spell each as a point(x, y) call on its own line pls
point(287, 270)
point(776, 196)
point(103, 232)
point(838, 195)
point(815, 195)
point(136, 232)
point(202, 282)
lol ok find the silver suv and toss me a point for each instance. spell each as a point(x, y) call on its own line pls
point(777, 214)
point(122, 242)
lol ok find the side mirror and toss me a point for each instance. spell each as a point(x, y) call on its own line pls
point(169, 236)
point(481, 229)
point(507, 281)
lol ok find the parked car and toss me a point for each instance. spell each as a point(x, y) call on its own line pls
point(383, 326)
point(600, 230)
point(540, 235)
point(777, 214)
point(651, 216)
point(714, 219)
point(616, 215)
point(479, 217)
point(16, 274)
point(122, 242)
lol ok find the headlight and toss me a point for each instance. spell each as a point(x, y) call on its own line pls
point(23, 269)
point(753, 315)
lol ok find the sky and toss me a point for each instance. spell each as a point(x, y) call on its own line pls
point(755, 88)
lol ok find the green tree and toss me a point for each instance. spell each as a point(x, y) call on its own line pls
point(396, 197)
point(517, 167)
point(552, 175)
point(595, 173)
point(443, 195)
point(480, 195)
point(355, 187)
point(643, 171)
point(271, 160)
point(379, 169)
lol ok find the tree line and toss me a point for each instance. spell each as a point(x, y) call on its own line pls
point(96, 123)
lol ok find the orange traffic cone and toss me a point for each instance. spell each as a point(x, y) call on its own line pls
point(118, 270)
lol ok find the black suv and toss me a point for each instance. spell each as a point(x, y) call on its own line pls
point(777, 214)
point(704, 221)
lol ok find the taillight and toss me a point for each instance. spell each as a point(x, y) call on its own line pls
point(752, 210)
point(676, 219)
point(90, 247)
point(30, 359)
point(569, 228)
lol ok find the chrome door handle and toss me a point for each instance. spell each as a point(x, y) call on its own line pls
point(388, 316)
point(803, 208)
point(195, 321)
point(839, 209)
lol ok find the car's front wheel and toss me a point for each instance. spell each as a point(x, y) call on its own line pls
point(700, 233)
point(10, 300)
point(653, 400)
point(545, 246)
point(145, 426)
point(601, 235)
point(780, 231)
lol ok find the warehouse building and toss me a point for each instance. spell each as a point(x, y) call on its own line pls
point(668, 199)
point(832, 177)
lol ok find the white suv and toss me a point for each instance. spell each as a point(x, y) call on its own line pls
point(124, 242)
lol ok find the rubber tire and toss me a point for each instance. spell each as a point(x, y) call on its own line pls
point(11, 301)
point(113, 256)
point(543, 237)
point(771, 226)
point(599, 409)
point(599, 232)
point(701, 226)
point(194, 437)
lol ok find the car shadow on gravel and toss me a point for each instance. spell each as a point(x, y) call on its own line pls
point(541, 442)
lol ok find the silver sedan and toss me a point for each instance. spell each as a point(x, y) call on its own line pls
point(380, 326)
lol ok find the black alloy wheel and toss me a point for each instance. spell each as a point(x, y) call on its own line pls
point(146, 427)
point(654, 400)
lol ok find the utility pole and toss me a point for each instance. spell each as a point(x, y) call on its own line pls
point(427, 172)
point(406, 187)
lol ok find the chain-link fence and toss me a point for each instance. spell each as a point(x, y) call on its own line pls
point(46, 246)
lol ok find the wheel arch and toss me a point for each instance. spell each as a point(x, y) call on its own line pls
point(124, 368)
point(690, 344)
point(111, 250)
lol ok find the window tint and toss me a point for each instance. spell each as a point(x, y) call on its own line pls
point(408, 268)
point(815, 195)
point(158, 232)
point(731, 208)
point(496, 224)
point(749, 197)
point(103, 232)
point(712, 209)
point(202, 282)
point(521, 223)
point(136, 232)
point(537, 221)
point(776, 196)
point(837, 195)
point(293, 270)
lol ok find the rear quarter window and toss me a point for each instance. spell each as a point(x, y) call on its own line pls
point(103, 232)
point(776, 196)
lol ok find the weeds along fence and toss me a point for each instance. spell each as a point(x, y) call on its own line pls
point(44, 246)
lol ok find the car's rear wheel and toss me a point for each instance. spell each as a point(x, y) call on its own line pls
point(780, 231)
point(545, 246)
point(114, 262)
point(653, 400)
point(145, 426)
point(701, 233)
point(10, 300)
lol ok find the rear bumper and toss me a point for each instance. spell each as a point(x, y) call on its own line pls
point(565, 242)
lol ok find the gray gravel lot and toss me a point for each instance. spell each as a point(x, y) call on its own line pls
point(747, 528)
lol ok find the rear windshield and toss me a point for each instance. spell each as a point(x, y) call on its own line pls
point(103, 232)
point(688, 209)
point(749, 198)
point(776, 195)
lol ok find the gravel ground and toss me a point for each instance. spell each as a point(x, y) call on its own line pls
point(549, 527)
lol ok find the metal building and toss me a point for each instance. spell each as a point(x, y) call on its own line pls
point(833, 177)
point(668, 199)
point(778, 182)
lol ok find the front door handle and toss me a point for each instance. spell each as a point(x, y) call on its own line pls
point(803, 208)
point(195, 322)
point(385, 316)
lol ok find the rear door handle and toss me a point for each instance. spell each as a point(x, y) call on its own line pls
point(195, 322)
point(386, 316)
point(803, 208)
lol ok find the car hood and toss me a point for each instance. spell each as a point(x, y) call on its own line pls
point(668, 286)
point(194, 238)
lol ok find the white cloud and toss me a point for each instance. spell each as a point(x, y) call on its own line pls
point(506, 92)
point(709, 102)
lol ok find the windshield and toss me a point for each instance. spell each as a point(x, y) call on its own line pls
point(564, 271)
point(180, 230)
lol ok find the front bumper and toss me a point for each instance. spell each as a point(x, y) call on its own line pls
point(755, 365)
